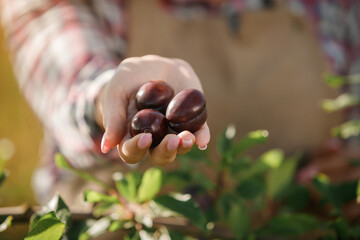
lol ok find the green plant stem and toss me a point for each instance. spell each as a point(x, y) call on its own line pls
point(90, 178)
point(62, 163)
point(130, 209)
point(122, 200)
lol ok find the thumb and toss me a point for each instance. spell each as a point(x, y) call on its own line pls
point(114, 118)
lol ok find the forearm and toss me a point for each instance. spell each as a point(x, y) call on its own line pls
point(61, 58)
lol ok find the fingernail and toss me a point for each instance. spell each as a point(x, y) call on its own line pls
point(144, 141)
point(173, 143)
point(187, 142)
point(202, 148)
point(105, 145)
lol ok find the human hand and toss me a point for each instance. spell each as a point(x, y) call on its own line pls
point(116, 107)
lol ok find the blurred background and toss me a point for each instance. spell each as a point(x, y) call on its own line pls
point(267, 74)
point(20, 136)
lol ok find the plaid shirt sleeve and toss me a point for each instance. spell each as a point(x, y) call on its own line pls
point(63, 52)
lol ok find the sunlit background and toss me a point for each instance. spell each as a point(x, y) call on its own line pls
point(20, 136)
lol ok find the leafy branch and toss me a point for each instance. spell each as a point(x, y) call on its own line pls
point(233, 197)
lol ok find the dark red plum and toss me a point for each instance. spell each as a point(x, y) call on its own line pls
point(154, 94)
point(149, 121)
point(187, 111)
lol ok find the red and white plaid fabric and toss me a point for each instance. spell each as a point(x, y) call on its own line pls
point(337, 23)
point(63, 52)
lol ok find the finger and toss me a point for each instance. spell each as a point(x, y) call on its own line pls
point(114, 117)
point(187, 140)
point(202, 137)
point(166, 151)
point(133, 150)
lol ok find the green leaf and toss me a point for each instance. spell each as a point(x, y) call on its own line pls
point(93, 197)
point(56, 205)
point(115, 226)
point(258, 204)
point(49, 227)
point(240, 165)
point(344, 100)
point(334, 80)
point(358, 192)
point(186, 165)
point(62, 211)
point(270, 159)
point(297, 197)
point(95, 228)
point(76, 229)
point(185, 206)
point(178, 179)
point(104, 208)
point(197, 155)
point(35, 219)
point(234, 214)
point(347, 130)
point(225, 140)
point(336, 195)
point(250, 140)
point(341, 229)
point(61, 162)
point(278, 179)
point(175, 235)
point(150, 185)
point(84, 236)
point(6, 224)
point(328, 237)
point(346, 191)
point(132, 235)
point(289, 226)
point(354, 232)
point(273, 158)
point(257, 169)
point(323, 185)
point(127, 186)
point(203, 181)
point(224, 203)
point(251, 188)
point(238, 220)
point(251, 237)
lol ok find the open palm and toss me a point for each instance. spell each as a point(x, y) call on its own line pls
point(118, 107)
